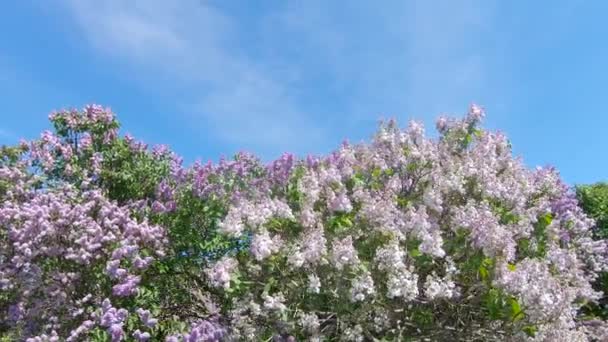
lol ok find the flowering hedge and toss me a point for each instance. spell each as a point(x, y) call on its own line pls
point(402, 238)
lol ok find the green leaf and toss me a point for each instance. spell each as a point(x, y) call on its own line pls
point(494, 304)
point(530, 330)
point(516, 313)
point(483, 273)
point(415, 252)
point(269, 283)
point(468, 139)
point(487, 264)
point(546, 219)
point(345, 221)
point(376, 172)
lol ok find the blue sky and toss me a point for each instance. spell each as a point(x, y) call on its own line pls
point(211, 77)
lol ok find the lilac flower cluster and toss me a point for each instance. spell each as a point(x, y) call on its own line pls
point(56, 239)
point(62, 244)
point(202, 331)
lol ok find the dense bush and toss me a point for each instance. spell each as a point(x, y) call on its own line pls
point(594, 201)
point(403, 238)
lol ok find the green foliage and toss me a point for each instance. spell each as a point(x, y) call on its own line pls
point(502, 306)
point(594, 201)
point(129, 175)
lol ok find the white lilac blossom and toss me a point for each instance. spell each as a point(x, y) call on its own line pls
point(486, 231)
point(263, 245)
point(390, 257)
point(311, 250)
point(340, 202)
point(354, 334)
point(314, 283)
point(424, 217)
point(343, 253)
point(310, 322)
point(274, 302)
point(402, 283)
point(232, 224)
point(362, 287)
point(438, 288)
point(220, 274)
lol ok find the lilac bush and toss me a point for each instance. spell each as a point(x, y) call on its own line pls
point(402, 238)
point(410, 237)
point(78, 234)
point(65, 251)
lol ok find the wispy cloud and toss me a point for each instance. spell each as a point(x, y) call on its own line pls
point(414, 58)
point(192, 43)
point(255, 71)
point(445, 42)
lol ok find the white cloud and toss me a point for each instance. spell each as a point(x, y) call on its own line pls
point(192, 43)
point(397, 58)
